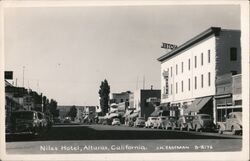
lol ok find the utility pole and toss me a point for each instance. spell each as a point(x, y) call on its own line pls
point(143, 81)
point(16, 82)
point(23, 75)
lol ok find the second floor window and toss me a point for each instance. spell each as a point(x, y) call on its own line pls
point(209, 78)
point(176, 87)
point(195, 82)
point(195, 61)
point(189, 84)
point(182, 86)
point(202, 81)
point(233, 54)
point(176, 69)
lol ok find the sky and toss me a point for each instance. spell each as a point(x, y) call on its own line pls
point(65, 52)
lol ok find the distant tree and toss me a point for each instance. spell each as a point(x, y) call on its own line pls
point(104, 96)
point(72, 112)
point(53, 108)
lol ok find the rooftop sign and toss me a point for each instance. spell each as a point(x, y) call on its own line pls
point(168, 46)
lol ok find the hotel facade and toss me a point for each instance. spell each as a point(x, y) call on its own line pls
point(189, 72)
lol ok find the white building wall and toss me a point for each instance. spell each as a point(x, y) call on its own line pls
point(184, 56)
point(137, 100)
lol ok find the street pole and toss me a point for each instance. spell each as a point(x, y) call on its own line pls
point(23, 75)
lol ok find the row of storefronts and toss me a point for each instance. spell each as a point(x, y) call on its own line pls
point(203, 75)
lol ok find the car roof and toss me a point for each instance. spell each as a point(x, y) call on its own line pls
point(203, 115)
point(23, 111)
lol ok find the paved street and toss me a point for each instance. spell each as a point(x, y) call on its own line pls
point(115, 139)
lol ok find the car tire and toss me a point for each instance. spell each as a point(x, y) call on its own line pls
point(196, 128)
point(233, 130)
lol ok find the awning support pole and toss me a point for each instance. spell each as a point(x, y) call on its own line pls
point(214, 110)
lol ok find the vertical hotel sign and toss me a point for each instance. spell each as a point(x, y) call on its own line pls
point(166, 90)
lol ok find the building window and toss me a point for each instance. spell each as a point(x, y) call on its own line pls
point(209, 78)
point(176, 87)
point(201, 58)
point(208, 56)
point(195, 82)
point(233, 54)
point(202, 81)
point(171, 71)
point(195, 61)
point(189, 84)
point(182, 64)
point(234, 72)
point(182, 86)
point(176, 69)
point(189, 64)
point(171, 88)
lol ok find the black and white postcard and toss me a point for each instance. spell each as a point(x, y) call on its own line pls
point(124, 80)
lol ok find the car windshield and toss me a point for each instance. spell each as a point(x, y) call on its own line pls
point(141, 118)
point(189, 117)
point(153, 118)
point(23, 115)
point(239, 115)
point(163, 118)
point(116, 119)
point(205, 117)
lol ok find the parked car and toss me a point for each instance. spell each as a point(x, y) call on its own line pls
point(150, 122)
point(160, 122)
point(116, 121)
point(233, 123)
point(25, 122)
point(67, 120)
point(170, 122)
point(184, 121)
point(57, 120)
point(201, 122)
point(139, 122)
point(49, 120)
point(42, 120)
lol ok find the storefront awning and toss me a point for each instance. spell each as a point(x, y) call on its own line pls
point(198, 104)
point(135, 114)
point(156, 113)
point(128, 113)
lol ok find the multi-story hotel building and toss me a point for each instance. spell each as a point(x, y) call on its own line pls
point(189, 72)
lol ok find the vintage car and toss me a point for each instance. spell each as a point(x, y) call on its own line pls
point(49, 120)
point(201, 122)
point(150, 122)
point(67, 120)
point(160, 122)
point(183, 122)
point(116, 121)
point(170, 122)
point(25, 122)
point(139, 122)
point(42, 120)
point(233, 123)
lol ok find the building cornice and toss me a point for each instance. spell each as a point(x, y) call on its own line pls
point(196, 39)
